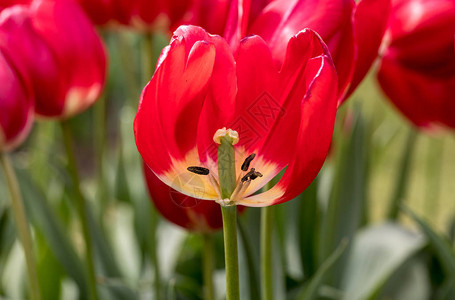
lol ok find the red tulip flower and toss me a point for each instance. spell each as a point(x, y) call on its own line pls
point(353, 32)
point(417, 71)
point(16, 106)
point(7, 3)
point(54, 43)
point(141, 14)
point(185, 211)
point(277, 117)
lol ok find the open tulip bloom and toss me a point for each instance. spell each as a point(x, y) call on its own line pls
point(218, 125)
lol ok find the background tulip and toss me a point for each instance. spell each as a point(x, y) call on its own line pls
point(346, 27)
point(140, 14)
point(16, 105)
point(56, 45)
point(417, 70)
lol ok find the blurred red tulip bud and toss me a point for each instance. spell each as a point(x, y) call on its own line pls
point(7, 3)
point(140, 14)
point(352, 31)
point(54, 43)
point(16, 106)
point(417, 70)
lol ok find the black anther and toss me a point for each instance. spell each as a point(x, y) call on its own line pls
point(199, 170)
point(246, 163)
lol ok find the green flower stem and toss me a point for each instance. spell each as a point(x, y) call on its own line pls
point(402, 180)
point(153, 246)
point(81, 208)
point(100, 118)
point(208, 261)
point(267, 219)
point(17, 206)
point(148, 58)
point(130, 77)
point(226, 174)
point(230, 252)
point(433, 169)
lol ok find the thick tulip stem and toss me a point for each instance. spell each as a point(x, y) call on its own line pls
point(153, 249)
point(23, 230)
point(230, 252)
point(81, 206)
point(226, 174)
point(266, 253)
point(208, 261)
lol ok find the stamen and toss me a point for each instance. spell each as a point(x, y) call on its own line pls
point(248, 175)
point(236, 191)
point(199, 170)
point(247, 162)
point(215, 184)
point(255, 175)
point(251, 175)
point(243, 189)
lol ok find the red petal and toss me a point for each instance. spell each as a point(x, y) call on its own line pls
point(295, 78)
point(99, 11)
point(78, 50)
point(190, 213)
point(210, 15)
point(431, 21)
point(370, 22)
point(424, 99)
point(32, 56)
point(332, 20)
point(170, 105)
point(237, 22)
point(317, 111)
point(258, 93)
point(16, 106)
point(218, 106)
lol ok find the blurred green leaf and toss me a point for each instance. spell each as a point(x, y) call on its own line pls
point(447, 291)
point(105, 257)
point(44, 218)
point(7, 238)
point(376, 253)
point(409, 282)
point(246, 253)
point(346, 208)
point(402, 179)
point(288, 220)
point(308, 223)
point(311, 290)
point(49, 270)
point(440, 245)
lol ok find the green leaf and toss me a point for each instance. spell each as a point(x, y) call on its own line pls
point(246, 253)
point(107, 261)
point(50, 272)
point(409, 282)
point(7, 238)
point(310, 292)
point(346, 208)
point(440, 245)
point(402, 180)
point(376, 253)
point(308, 223)
point(45, 219)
